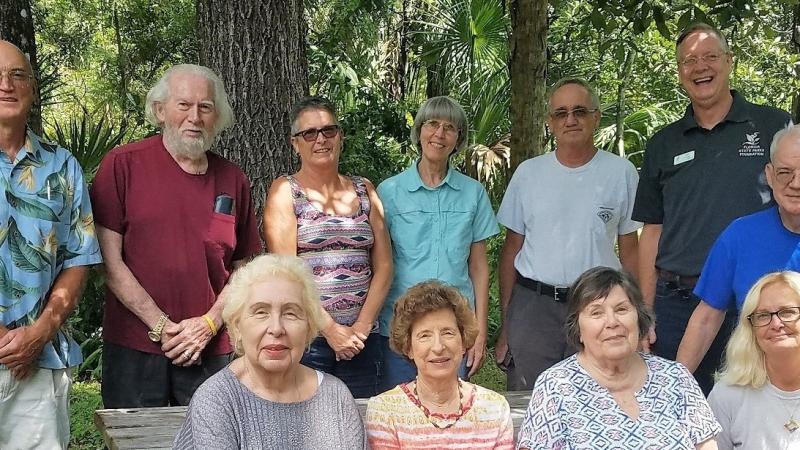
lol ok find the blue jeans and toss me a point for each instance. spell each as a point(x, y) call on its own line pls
point(360, 374)
point(673, 308)
point(398, 369)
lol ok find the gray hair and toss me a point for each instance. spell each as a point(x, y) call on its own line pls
point(702, 26)
point(311, 103)
point(593, 97)
point(444, 108)
point(597, 283)
point(159, 93)
point(789, 130)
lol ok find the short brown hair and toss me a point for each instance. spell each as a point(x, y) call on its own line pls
point(426, 297)
point(597, 283)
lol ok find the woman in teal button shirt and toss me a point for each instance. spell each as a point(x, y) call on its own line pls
point(439, 220)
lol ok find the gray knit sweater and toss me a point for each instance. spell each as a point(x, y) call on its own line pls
point(224, 414)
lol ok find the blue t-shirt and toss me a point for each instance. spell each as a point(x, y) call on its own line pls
point(750, 247)
point(432, 230)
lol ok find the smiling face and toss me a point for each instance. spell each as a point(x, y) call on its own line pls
point(438, 139)
point(609, 327)
point(573, 131)
point(188, 115)
point(705, 82)
point(273, 326)
point(16, 97)
point(783, 174)
point(436, 344)
point(322, 151)
point(777, 338)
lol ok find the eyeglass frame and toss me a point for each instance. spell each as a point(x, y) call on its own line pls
point(708, 58)
point(455, 130)
point(316, 132)
point(579, 112)
point(776, 314)
point(11, 74)
point(778, 175)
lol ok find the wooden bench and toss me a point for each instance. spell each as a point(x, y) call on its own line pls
point(155, 428)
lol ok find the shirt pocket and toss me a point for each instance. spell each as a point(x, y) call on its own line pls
point(409, 230)
point(457, 235)
point(219, 244)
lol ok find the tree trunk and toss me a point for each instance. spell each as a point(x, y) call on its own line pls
point(796, 46)
point(16, 26)
point(258, 48)
point(528, 68)
point(625, 71)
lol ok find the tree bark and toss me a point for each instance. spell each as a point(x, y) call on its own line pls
point(528, 69)
point(16, 26)
point(796, 46)
point(624, 73)
point(258, 49)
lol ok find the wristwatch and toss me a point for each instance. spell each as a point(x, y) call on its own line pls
point(155, 333)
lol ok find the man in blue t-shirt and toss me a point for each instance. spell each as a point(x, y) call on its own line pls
point(749, 248)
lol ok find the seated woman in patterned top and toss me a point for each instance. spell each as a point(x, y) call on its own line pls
point(433, 326)
point(265, 398)
point(608, 395)
point(335, 223)
point(757, 399)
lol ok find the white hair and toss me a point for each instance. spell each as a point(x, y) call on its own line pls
point(159, 93)
point(789, 130)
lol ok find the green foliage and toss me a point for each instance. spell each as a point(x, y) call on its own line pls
point(84, 400)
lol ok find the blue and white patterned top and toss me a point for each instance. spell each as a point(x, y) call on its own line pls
point(46, 226)
point(570, 410)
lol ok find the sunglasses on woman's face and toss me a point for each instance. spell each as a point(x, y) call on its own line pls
point(310, 135)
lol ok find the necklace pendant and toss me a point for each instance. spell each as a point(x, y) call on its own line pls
point(791, 426)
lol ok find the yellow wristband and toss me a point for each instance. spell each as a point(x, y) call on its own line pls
point(210, 324)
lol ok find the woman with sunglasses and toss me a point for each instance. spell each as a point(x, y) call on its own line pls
point(335, 223)
point(439, 220)
point(757, 399)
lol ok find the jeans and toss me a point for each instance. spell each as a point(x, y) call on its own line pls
point(398, 369)
point(673, 307)
point(361, 374)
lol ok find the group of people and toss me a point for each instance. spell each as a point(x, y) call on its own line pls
point(382, 293)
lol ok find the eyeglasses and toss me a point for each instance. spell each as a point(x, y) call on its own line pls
point(17, 76)
point(579, 112)
point(310, 135)
point(708, 58)
point(434, 125)
point(785, 315)
point(784, 176)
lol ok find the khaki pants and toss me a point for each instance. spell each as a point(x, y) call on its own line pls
point(34, 412)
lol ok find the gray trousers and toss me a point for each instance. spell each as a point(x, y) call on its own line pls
point(536, 336)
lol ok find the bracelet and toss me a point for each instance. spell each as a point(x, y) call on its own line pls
point(210, 325)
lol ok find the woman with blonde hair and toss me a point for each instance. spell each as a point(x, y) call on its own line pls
point(265, 398)
point(757, 400)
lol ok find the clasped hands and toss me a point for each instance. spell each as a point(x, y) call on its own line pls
point(346, 341)
point(20, 348)
point(183, 342)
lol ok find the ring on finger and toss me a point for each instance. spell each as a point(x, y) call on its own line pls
point(187, 354)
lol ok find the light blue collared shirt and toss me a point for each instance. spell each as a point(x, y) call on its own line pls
point(432, 230)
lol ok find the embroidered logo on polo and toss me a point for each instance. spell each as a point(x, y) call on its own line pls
point(752, 145)
point(605, 214)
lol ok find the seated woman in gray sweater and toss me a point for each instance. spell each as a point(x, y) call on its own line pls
point(266, 398)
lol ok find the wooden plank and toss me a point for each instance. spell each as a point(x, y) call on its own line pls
point(155, 428)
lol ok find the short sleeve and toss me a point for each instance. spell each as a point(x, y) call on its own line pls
point(82, 248)
point(484, 225)
point(715, 285)
point(723, 410)
point(381, 432)
point(628, 225)
point(387, 199)
point(248, 242)
point(694, 413)
point(353, 427)
point(542, 428)
point(510, 213)
point(505, 432)
point(649, 204)
point(208, 424)
point(108, 194)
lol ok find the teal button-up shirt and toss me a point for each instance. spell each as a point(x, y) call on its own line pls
point(432, 230)
point(46, 226)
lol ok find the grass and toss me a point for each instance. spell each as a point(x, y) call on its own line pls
point(85, 399)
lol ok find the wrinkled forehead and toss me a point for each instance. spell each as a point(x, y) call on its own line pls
point(569, 96)
point(12, 58)
point(191, 86)
point(699, 43)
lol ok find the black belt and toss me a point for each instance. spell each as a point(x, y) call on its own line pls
point(675, 281)
point(558, 294)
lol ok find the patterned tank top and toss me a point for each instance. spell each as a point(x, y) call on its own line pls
point(337, 248)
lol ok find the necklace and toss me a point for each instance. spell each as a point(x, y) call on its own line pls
point(428, 415)
point(791, 425)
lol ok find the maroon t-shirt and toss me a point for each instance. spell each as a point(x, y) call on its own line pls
point(177, 247)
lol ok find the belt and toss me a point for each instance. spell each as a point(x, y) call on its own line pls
point(675, 281)
point(558, 294)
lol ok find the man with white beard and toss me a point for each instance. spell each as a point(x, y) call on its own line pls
point(173, 221)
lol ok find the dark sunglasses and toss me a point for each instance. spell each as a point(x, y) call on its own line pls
point(311, 134)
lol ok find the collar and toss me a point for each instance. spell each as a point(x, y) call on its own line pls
point(415, 181)
point(738, 113)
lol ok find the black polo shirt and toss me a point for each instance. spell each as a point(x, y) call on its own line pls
point(695, 181)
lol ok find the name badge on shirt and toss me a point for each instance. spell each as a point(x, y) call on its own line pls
point(683, 157)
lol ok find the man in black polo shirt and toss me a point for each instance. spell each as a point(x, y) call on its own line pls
point(699, 174)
